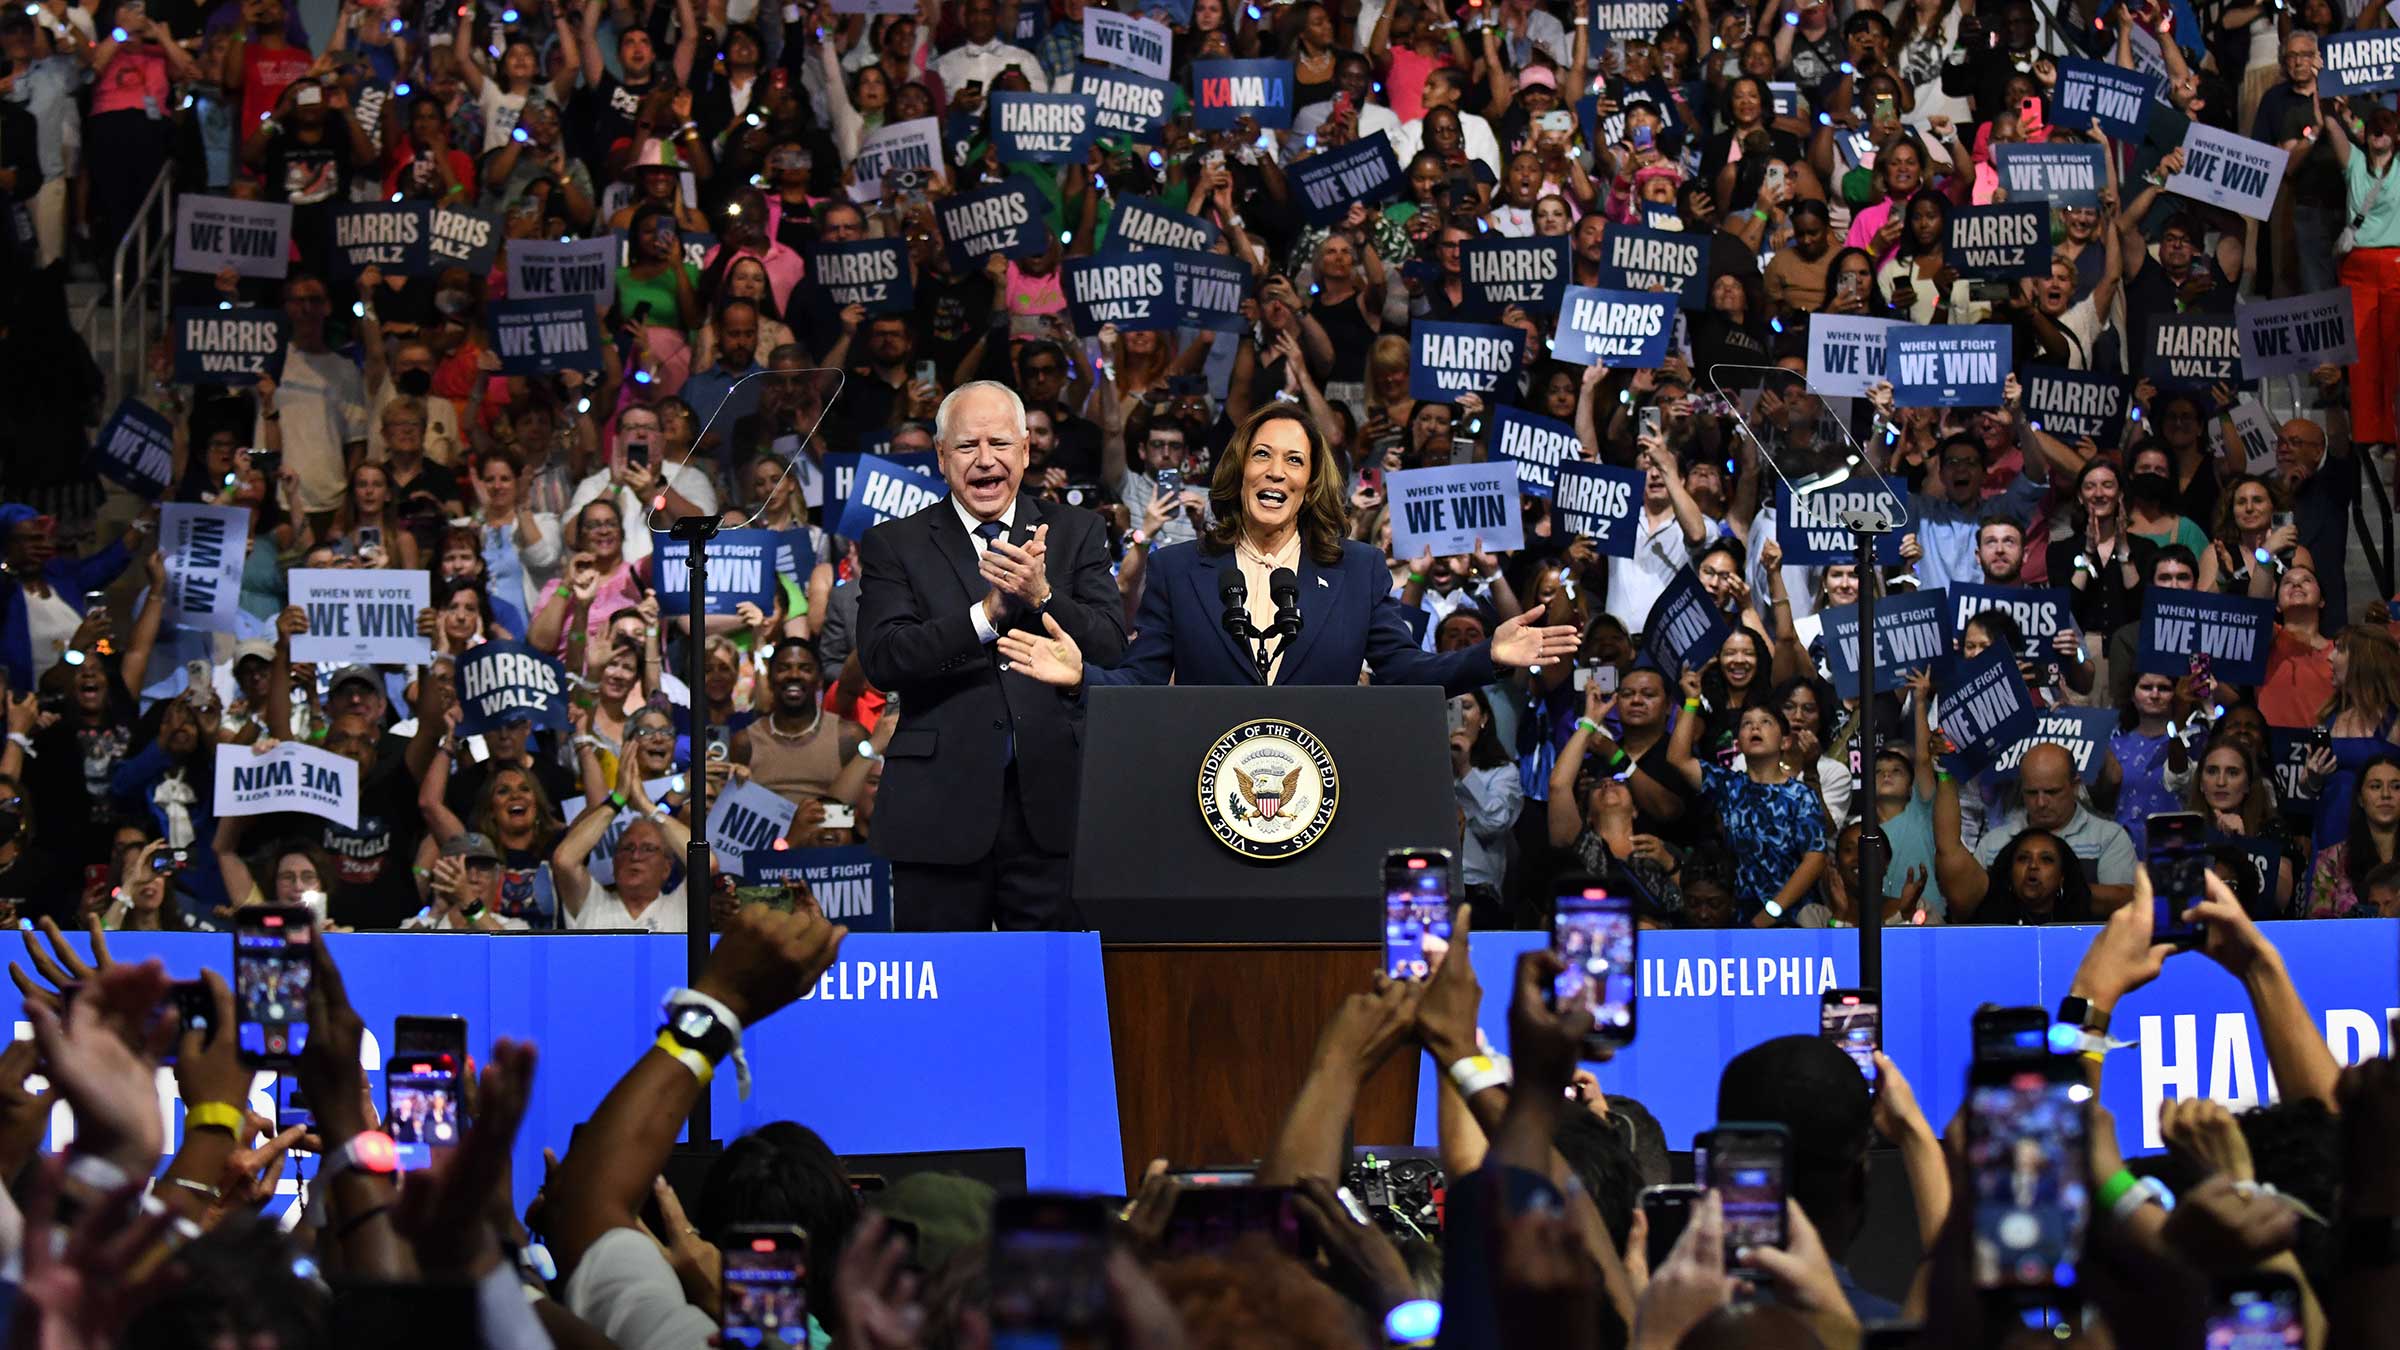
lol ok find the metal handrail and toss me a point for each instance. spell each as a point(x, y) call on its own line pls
point(154, 221)
point(2367, 519)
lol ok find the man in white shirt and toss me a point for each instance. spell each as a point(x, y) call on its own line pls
point(646, 852)
point(689, 492)
point(981, 59)
point(1445, 87)
point(1663, 544)
point(320, 403)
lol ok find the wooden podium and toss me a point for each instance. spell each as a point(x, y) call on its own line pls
point(1222, 970)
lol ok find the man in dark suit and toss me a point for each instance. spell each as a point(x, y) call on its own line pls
point(977, 807)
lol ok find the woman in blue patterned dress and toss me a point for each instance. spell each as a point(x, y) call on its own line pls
point(1770, 816)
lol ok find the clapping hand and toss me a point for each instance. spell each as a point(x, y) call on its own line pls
point(1016, 574)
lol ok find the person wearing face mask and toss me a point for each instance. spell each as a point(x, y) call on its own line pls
point(2150, 511)
point(401, 368)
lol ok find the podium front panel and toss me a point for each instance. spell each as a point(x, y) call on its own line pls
point(1149, 867)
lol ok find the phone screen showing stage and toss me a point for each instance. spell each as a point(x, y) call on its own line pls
point(1593, 933)
point(1853, 1021)
point(1416, 916)
point(2025, 1151)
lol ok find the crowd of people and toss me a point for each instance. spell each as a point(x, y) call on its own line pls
point(2027, 1223)
point(1816, 152)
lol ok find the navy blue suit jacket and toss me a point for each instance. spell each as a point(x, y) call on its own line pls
point(1347, 617)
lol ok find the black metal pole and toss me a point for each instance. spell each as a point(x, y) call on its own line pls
point(1870, 831)
point(696, 531)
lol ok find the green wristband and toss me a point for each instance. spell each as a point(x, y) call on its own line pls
point(2114, 1189)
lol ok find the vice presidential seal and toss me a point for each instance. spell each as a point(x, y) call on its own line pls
point(1268, 789)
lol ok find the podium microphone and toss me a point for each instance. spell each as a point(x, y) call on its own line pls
point(1234, 593)
point(1283, 585)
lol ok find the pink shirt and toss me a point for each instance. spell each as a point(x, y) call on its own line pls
point(1404, 83)
point(136, 78)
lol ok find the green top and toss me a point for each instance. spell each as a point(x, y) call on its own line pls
point(2187, 533)
point(2381, 228)
point(658, 292)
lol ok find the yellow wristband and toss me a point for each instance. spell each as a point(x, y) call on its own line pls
point(215, 1115)
point(691, 1059)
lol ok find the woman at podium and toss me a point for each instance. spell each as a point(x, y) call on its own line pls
point(1273, 593)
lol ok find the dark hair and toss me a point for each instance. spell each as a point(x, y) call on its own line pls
point(1813, 1090)
point(783, 1173)
point(238, 1286)
point(446, 589)
point(1487, 752)
point(2001, 627)
point(1324, 515)
point(1602, 1160)
point(1719, 692)
point(1909, 247)
point(2174, 553)
point(1873, 299)
point(2075, 892)
point(1828, 703)
point(2357, 862)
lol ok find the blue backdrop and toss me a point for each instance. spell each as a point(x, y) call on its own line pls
point(1707, 996)
point(999, 1040)
point(912, 1042)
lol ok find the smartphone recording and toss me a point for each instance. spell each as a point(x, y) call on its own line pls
point(1048, 1268)
point(424, 1087)
point(1750, 1168)
point(2178, 862)
point(765, 1277)
point(2026, 1155)
point(1853, 1020)
point(1593, 933)
point(1416, 911)
point(272, 947)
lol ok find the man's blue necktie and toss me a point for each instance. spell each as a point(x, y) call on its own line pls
point(989, 532)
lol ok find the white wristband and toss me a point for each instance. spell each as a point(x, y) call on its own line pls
point(2146, 1191)
point(25, 743)
point(1478, 1072)
point(726, 1019)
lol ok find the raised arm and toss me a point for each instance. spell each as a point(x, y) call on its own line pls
point(1687, 730)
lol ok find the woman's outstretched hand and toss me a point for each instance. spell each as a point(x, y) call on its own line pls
point(1054, 660)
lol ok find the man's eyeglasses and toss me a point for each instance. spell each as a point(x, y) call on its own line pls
point(651, 734)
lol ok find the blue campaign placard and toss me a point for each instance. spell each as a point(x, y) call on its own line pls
point(871, 272)
point(2082, 732)
point(2360, 63)
point(1206, 290)
point(1810, 529)
point(1538, 445)
point(1126, 104)
point(1331, 181)
point(1224, 92)
point(850, 884)
point(458, 236)
point(841, 472)
point(1618, 329)
point(1134, 291)
point(1146, 222)
point(2072, 404)
point(2000, 243)
point(1912, 631)
point(2192, 351)
point(1006, 220)
point(1175, 13)
point(137, 449)
point(1602, 503)
point(1633, 258)
point(2091, 92)
point(504, 682)
point(2063, 173)
point(1709, 994)
point(1042, 128)
point(392, 236)
point(741, 567)
point(1983, 707)
point(1447, 360)
point(1496, 271)
point(2040, 612)
point(228, 346)
point(1947, 365)
point(1684, 627)
point(884, 491)
point(2232, 631)
point(795, 556)
point(2294, 336)
point(542, 337)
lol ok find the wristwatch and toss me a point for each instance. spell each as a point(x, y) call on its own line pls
point(696, 1028)
point(2080, 1012)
